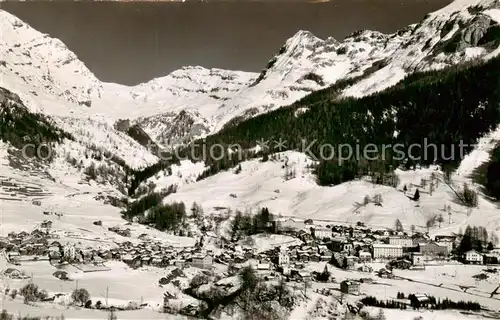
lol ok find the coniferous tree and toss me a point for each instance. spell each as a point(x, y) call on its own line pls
point(416, 196)
point(398, 225)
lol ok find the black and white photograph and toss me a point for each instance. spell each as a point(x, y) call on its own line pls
point(249, 159)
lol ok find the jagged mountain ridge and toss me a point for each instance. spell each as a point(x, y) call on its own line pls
point(196, 101)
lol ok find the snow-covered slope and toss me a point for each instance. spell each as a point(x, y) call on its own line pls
point(265, 185)
point(194, 101)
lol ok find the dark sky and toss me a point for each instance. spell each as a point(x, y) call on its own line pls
point(133, 42)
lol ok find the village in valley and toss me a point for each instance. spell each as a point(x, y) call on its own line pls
point(73, 254)
point(108, 211)
point(337, 263)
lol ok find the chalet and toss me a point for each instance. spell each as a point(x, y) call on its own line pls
point(322, 249)
point(326, 256)
point(202, 261)
point(14, 256)
point(136, 262)
point(446, 243)
point(349, 287)
point(365, 268)
point(105, 254)
point(420, 300)
point(98, 260)
point(358, 234)
point(474, 257)
point(157, 261)
point(305, 236)
point(440, 238)
point(127, 258)
point(264, 266)
point(46, 224)
point(178, 263)
point(490, 259)
point(54, 253)
point(55, 243)
point(37, 233)
point(86, 255)
point(304, 275)
point(303, 256)
point(368, 239)
point(432, 249)
point(315, 257)
point(417, 259)
point(146, 260)
point(22, 234)
point(384, 273)
point(351, 261)
point(400, 264)
point(365, 256)
point(340, 245)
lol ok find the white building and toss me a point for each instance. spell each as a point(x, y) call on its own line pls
point(399, 241)
point(69, 251)
point(474, 257)
point(387, 251)
point(322, 232)
point(283, 258)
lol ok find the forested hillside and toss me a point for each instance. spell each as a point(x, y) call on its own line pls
point(20, 127)
point(446, 107)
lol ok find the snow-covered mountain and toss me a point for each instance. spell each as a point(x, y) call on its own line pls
point(195, 101)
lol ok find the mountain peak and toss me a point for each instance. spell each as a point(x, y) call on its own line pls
point(302, 39)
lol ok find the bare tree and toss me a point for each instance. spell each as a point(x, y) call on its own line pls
point(423, 182)
point(440, 220)
point(430, 223)
point(112, 315)
point(366, 200)
point(307, 285)
point(377, 199)
point(81, 296)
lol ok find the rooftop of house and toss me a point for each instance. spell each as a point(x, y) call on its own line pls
point(388, 246)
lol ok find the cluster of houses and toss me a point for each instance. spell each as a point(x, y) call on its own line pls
point(361, 244)
point(42, 245)
point(342, 246)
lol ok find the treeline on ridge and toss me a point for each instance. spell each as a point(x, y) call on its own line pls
point(457, 104)
point(20, 127)
point(447, 107)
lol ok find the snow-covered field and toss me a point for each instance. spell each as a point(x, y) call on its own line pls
point(264, 185)
point(445, 281)
point(195, 101)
